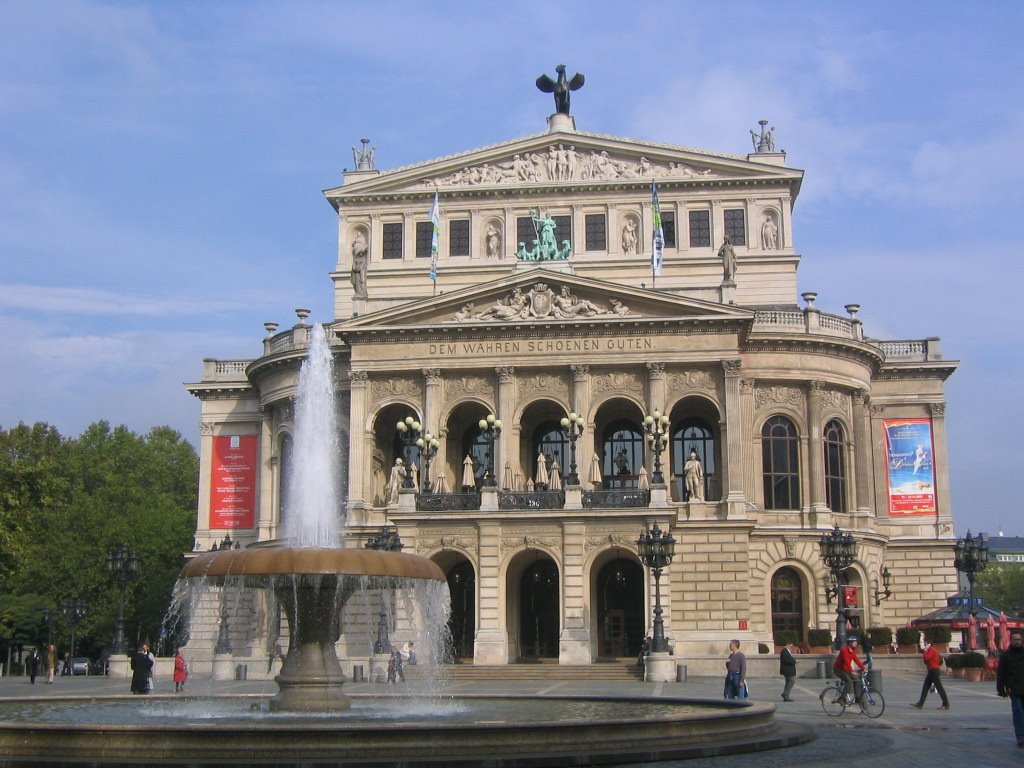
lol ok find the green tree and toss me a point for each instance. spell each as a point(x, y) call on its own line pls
point(1002, 587)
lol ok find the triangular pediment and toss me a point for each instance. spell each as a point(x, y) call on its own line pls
point(560, 159)
point(536, 297)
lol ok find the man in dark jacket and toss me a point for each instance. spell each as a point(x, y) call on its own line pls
point(142, 666)
point(1010, 681)
point(787, 668)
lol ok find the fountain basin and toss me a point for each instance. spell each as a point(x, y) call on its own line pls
point(458, 731)
point(279, 560)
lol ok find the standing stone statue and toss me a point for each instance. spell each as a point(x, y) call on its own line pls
point(363, 157)
point(769, 234)
point(560, 88)
point(728, 257)
point(694, 473)
point(360, 251)
point(493, 242)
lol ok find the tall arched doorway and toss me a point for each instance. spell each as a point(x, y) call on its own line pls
point(539, 623)
point(787, 601)
point(462, 622)
point(620, 608)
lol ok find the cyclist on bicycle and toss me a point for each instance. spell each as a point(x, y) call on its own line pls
point(843, 667)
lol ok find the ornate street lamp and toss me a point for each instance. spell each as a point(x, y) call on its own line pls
point(970, 558)
point(490, 428)
point(74, 611)
point(409, 433)
point(49, 619)
point(885, 593)
point(656, 428)
point(428, 445)
point(123, 566)
point(386, 540)
point(656, 552)
point(572, 428)
point(838, 551)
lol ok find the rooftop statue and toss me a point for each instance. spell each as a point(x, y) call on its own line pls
point(765, 141)
point(545, 247)
point(560, 88)
point(363, 157)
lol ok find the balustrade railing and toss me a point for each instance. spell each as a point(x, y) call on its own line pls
point(447, 502)
point(617, 498)
point(531, 499)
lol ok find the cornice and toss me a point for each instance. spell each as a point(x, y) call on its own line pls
point(919, 370)
point(849, 349)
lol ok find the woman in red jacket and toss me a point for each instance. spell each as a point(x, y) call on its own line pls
point(180, 672)
point(932, 662)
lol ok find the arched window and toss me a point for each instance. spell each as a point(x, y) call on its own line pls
point(779, 463)
point(549, 440)
point(474, 444)
point(623, 451)
point(787, 601)
point(285, 476)
point(695, 434)
point(835, 466)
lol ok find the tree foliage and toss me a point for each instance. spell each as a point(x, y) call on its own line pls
point(66, 503)
point(1002, 587)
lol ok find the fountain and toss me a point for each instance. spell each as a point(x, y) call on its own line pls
point(314, 577)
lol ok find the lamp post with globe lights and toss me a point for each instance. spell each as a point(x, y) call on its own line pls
point(838, 551)
point(490, 429)
point(409, 432)
point(123, 566)
point(656, 549)
point(428, 445)
point(572, 428)
point(656, 428)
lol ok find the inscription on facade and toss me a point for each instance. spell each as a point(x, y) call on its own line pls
point(539, 346)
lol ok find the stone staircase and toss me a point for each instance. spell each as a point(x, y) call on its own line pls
point(612, 670)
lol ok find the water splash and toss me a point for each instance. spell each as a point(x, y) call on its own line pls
point(312, 499)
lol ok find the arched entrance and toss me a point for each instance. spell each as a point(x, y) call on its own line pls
point(539, 623)
point(620, 608)
point(787, 601)
point(462, 622)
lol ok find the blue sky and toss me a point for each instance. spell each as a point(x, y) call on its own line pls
point(161, 168)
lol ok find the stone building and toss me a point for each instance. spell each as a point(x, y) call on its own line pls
point(547, 303)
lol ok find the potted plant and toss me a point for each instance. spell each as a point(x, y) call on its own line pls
point(881, 639)
point(955, 665)
point(939, 637)
point(820, 640)
point(785, 637)
point(974, 665)
point(908, 639)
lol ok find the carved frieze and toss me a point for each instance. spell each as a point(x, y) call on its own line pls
point(207, 428)
point(616, 381)
point(527, 541)
point(457, 387)
point(398, 386)
point(466, 543)
point(541, 302)
point(563, 162)
point(765, 395)
point(601, 541)
point(833, 399)
point(683, 381)
point(543, 383)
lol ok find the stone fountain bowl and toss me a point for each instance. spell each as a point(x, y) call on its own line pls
point(282, 560)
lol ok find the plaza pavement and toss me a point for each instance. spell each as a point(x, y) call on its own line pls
point(975, 733)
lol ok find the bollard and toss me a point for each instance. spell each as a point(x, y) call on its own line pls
point(875, 678)
point(242, 672)
point(680, 673)
point(357, 673)
point(822, 669)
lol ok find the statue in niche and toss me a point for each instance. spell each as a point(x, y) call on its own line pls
point(493, 242)
point(360, 251)
point(694, 473)
point(561, 88)
point(728, 257)
point(394, 482)
point(769, 234)
point(629, 239)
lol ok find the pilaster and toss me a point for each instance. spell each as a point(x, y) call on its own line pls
point(862, 452)
point(358, 442)
point(574, 642)
point(491, 643)
point(504, 406)
point(732, 438)
point(940, 461)
point(815, 457)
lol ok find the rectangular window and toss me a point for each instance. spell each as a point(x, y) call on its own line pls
point(458, 237)
point(735, 228)
point(597, 239)
point(668, 226)
point(700, 229)
point(563, 229)
point(424, 236)
point(391, 241)
point(525, 232)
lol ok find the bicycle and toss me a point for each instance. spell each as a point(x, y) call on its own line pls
point(834, 699)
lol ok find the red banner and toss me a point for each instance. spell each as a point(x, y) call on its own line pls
point(233, 482)
point(850, 597)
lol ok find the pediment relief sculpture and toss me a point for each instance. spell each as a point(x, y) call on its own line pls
point(562, 162)
point(540, 302)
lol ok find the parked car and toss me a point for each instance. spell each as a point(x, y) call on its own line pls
point(80, 665)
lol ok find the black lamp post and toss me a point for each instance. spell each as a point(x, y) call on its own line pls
point(409, 433)
point(490, 428)
point(428, 445)
point(74, 611)
point(49, 619)
point(656, 428)
point(572, 428)
point(123, 565)
point(885, 593)
point(386, 540)
point(656, 552)
point(970, 558)
point(838, 551)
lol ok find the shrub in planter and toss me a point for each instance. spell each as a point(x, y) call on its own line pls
point(819, 638)
point(786, 636)
point(938, 635)
point(881, 637)
point(762, 648)
point(973, 660)
point(907, 636)
point(955, 664)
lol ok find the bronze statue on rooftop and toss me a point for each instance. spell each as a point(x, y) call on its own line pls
point(560, 88)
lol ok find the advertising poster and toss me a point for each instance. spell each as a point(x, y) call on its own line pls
point(233, 482)
point(908, 445)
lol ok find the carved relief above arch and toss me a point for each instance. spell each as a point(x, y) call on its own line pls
point(468, 386)
point(397, 386)
point(617, 382)
point(775, 395)
point(694, 380)
point(553, 385)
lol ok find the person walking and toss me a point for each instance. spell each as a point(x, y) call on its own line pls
point(787, 668)
point(180, 672)
point(932, 662)
point(1010, 681)
point(735, 672)
point(32, 662)
point(51, 662)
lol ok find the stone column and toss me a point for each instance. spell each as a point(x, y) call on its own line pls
point(816, 458)
point(862, 452)
point(574, 643)
point(940, 458)
point(432, 396)
point(357, 465)
point(504, 406)
point(268, 478)
point(207, 430)
point(732, 429)
point(491, 644)
point(880, 461)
